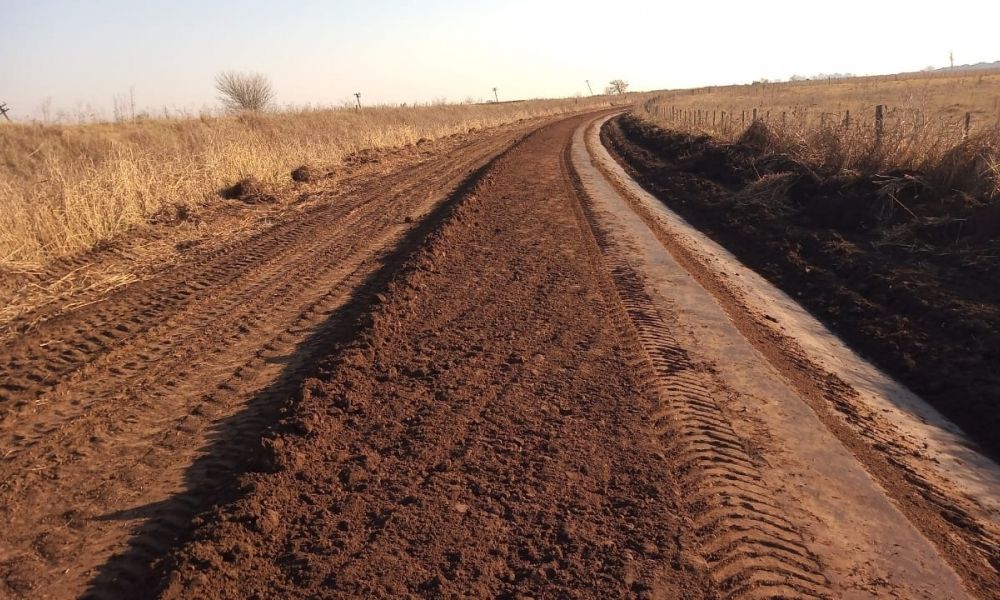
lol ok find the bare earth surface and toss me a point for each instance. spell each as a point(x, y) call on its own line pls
point(499, 370)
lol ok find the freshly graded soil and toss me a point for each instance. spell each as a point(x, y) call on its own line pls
point(915, 291)
point(485, 436)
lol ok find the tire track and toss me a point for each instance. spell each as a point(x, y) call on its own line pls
point(752, 550)
point(163, 346)
point(34, 362)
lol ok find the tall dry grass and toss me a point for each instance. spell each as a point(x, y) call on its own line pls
point(831, 125)
point(64, 188)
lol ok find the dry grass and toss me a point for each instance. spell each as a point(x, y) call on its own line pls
point(65, 188)
point(830, 125)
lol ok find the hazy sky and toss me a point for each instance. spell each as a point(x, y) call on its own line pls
point(85, 52)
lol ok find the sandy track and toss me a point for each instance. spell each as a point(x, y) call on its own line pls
point(125, 417)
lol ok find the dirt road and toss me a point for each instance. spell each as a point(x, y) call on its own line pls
point(533, 385)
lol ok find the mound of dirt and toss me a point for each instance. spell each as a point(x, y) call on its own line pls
point(305, 174)
point(250, 190)
point(175, 214)
point(363, 157)
point(909, 276)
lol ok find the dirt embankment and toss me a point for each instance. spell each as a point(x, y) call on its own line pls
point(906, 276)
point(485, 435)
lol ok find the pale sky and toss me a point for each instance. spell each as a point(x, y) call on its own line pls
point(79, 53)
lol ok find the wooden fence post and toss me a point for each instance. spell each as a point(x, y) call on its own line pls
point(968, 125)
point(879, 122)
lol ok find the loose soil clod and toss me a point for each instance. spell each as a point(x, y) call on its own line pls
point(251, 191)
point(305, 174)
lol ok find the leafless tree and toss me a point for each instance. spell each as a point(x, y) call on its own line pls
point(617, 86)
point(244, 91)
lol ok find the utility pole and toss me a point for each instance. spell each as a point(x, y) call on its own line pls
point(951, 58)
point(357, 95)
point(495, 96)
point(3, 110)
point(590, 88)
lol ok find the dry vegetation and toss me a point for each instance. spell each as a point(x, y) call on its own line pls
point(65, 188)
point(830, 125)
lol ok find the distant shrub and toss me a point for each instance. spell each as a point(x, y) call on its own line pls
point(244, 91)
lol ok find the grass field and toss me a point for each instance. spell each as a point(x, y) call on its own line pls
point(831, 125)
point(64, 188)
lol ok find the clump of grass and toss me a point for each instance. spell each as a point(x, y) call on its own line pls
point(65, 188)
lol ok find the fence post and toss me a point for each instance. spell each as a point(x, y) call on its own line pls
point(968, 125)
point(743, 116)
point(754, 116)
point(879, 122)
point(847, 119)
